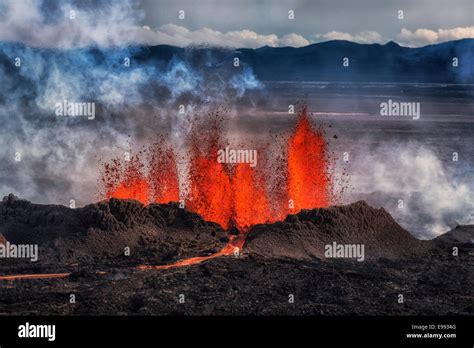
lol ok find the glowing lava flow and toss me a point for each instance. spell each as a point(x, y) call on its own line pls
point(35, 276)
point(233, 247)
point(41, 276)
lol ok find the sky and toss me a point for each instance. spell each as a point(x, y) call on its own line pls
point(233, 23)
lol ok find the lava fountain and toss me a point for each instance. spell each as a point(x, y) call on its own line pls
point(232, 195)
point(308, 181)
point(163, 174)
point(209, 181)
point(126, 180)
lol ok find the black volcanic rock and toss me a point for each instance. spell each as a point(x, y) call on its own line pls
point(304, 235)
point(161, 233)
point(102, 231)
point(459, 235)
point(280, 259)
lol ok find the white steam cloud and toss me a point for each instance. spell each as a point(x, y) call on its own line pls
point(426, 185)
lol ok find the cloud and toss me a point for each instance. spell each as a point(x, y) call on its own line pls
point(421, 36)
point(293, 40)
point(416, 38)
point(115, 24)
point(180, 36)
point(71, 24)
point(364, 37)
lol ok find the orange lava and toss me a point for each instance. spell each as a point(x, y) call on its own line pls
point(228, 194)
point(250, 198)
point(163, 174)
point(307, 166)
point(210, 192)
point(42, 276)
point(132, 183)
point(232, 195)
point(233, 247)
point(35, 276)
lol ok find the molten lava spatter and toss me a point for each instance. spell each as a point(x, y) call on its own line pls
point(232, 195)
point(250, 198)
point(210, 190)
point(209, 181)
point(163, 174)
point(308, 182)
point(132, 183)
point(229, 194)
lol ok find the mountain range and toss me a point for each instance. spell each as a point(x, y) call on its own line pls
point(324, 61)
point(448, 62)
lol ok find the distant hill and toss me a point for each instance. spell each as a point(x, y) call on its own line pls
point(317, 62)
point(323, 61)
point(389, 62)
point(459, 235)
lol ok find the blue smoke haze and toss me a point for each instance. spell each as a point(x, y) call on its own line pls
point(60, 154)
